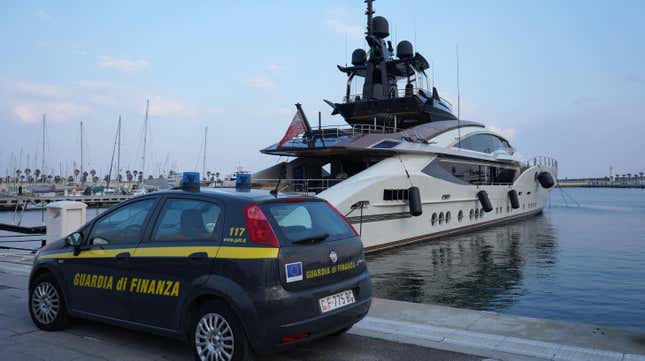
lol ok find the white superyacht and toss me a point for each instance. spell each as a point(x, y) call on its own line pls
point(405, 168)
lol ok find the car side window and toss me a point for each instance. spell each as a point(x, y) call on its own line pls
point(124, 225)
point(186, 220)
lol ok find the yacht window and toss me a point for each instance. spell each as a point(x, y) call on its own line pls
point(386, 144)
point(460, 216)
point(447, 217)
point(441, 218)
point(395, 194)
point(481, 213)
point(472, 214)
point(433, 220)
point(484, 143)
point(477, 173)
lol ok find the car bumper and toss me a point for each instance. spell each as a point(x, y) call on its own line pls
point(300, 314)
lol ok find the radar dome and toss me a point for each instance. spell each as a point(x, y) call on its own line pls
point(380, 27)
point(404, 50)
point(359, 57)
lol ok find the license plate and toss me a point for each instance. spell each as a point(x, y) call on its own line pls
point(338, 300)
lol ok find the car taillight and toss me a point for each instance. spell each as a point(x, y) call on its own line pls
point(258, 227)
point(343, 217)
point(295, 337)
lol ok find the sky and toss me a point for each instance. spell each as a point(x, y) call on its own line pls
point(558, 78)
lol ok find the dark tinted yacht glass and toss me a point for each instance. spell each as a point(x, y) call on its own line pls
point(485, 143)
point(302, 222)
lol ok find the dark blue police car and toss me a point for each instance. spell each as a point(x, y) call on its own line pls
point(233, 271)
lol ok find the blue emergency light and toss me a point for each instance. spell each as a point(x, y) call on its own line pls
point(243, 180)
point(189, 181)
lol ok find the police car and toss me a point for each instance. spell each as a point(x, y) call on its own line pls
point(234, 271)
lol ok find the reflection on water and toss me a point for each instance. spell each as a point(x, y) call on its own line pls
point(582, 264)
point(479, 271)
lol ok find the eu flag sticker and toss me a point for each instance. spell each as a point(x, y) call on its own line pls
point(293, 271)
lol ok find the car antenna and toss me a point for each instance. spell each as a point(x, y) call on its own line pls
point(274, 191)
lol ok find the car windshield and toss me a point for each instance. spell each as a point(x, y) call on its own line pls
point(307, 221)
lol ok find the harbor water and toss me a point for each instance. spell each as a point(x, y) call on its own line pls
point(580, 264)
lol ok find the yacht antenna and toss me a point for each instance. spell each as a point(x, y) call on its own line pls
point(458, 98)
point(369, 14)
point(145, 139)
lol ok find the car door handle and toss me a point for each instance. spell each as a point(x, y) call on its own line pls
point(123, 256)
point(198, 256)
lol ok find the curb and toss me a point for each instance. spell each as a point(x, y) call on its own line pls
point(482, 344)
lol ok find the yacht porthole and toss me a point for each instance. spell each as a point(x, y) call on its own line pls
point(481, 213)
point(447, 217)
point(472, 214)
point(433, 221)
point(476, 213)
point(441, 218)
point(460, 216)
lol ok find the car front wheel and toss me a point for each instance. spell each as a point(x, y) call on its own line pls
point(46, 304)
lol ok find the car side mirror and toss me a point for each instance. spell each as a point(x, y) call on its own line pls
point(74, 240)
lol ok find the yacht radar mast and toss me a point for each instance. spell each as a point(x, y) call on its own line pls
point(381, 101)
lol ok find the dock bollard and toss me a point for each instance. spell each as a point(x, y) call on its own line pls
point(63, 218)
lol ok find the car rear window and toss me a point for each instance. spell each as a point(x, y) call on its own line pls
point(302, 220)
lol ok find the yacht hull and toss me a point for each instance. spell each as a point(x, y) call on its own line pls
point(448, 207)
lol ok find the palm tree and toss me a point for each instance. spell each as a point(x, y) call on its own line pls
point(70, 179)
point(95, 179)
point(641, 174)
point(49, 178)
point(18, 172)
point(128, 176)
point(27, 173)
point(76, 173)
point(93, 173)
point(37, 174)
point(84, 179)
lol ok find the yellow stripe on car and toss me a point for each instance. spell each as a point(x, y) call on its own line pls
point(213, 252)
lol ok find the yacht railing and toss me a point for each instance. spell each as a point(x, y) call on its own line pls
point(543, 161)
point(302, 186)
point(400, 93)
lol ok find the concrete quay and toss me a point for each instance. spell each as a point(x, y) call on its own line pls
point(393, 330)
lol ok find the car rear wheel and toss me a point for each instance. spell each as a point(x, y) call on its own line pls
point(47, 305)
point(217, 334)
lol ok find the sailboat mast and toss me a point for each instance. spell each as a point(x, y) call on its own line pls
point(145, 139)
point(204, 159)
point(118, 157)
point(42, 168)
point(81, 152)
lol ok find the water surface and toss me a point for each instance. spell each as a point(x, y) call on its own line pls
point(581, 264)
